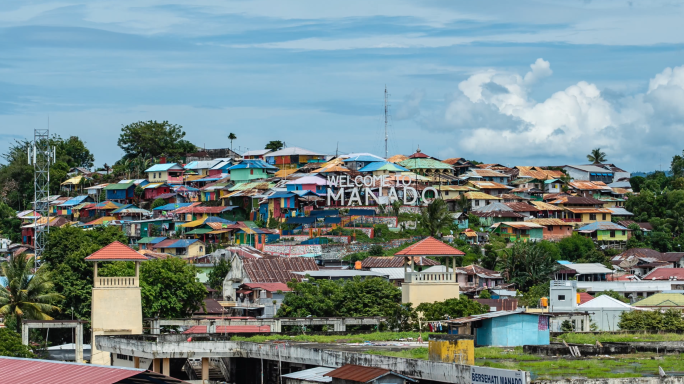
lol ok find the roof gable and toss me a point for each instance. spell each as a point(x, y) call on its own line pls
point(430, 247)
point(116, 251)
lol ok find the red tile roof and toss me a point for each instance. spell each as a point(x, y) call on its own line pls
point(115, 252)
point(584, 297)
point(278, 270)
point(430, 247)
point(231, 329)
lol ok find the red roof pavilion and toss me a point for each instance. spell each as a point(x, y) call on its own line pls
point(430, 247)
point(116, 251)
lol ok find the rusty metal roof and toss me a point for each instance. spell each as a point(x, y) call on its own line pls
point(589, 210)
point(488, 185)
point(361, 374)
point(278, 270)
point(521, 224)
point(546, 222)
point(542, 206)
point(29, 371)
point(270, 287)
point(576, 200)
point(394, 262)
point(480, 196)
point(522, 207)
point(584, 185)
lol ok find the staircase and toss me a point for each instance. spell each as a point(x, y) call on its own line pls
point(194, 371)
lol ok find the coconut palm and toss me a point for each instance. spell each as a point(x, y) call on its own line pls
point(436, 217)
point(231, 137)
point(596, 156)
point(25, 296)
point(396, 207)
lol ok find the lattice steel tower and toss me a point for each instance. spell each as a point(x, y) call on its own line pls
point(40, 155)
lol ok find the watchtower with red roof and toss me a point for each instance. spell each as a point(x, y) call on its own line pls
point(116, 305)
point(438, 284)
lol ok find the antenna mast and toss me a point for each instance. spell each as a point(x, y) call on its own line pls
point(41, 155)
point(386, 112)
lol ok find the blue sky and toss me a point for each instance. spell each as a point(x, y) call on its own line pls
point(518, 83)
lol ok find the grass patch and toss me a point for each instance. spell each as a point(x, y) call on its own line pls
point(515, 353)
point(583, 338)
point(376, 336)
point(413, 353)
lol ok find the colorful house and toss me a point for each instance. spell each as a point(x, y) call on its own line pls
point(525, 231)
point(181, 248)
point(248, 170)
point(66, 208)
point(605, 231)
point(293, 157)
point(382, 168)
point(170, 173)
point(256, 154)
point(201, 167)
point(504, 328)
point(357, 161)
point(153, 190)
point(308, 183)
point(121, 192)
point(426, 166)
point(554, 229)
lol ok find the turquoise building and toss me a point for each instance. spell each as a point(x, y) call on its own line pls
point(248, 170)
point(504, 328)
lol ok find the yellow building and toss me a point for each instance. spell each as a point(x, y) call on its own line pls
point(116, 305)
point(182, 248)
point(428, 287)
point(588, 215)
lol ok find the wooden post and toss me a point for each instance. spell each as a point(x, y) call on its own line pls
point(155, 365)
point(205, 370)
point(136, 362)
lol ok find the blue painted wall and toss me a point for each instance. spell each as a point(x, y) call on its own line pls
point(512, 331)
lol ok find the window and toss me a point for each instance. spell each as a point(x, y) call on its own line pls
point(251, 171)
point(612, 233)
point(592, 216)
point(624, 233)
point(604, 217)
point(561, 297)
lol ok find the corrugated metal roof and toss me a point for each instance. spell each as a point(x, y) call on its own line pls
point(546, 222)
point(480, 196)
point(277, 269)
point(424, 164)
point(665, 274)
point(542, 206)
point(521, 224)
point(603, 226)
point(293, 151)
point(362, 374)
point(339, 273)
point(30, 371)
point(620, 211)
point(270, 287)
point(313, 374)
point(587, 268)
point(491, 315)
point(394, 261)
point(522, 207)
point(662, 300)
point(163, 167)
point(393, 273)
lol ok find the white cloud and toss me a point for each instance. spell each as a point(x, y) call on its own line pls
point(495, 117)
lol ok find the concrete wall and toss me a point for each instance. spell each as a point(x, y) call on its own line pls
point(417, 293)
point(629, 380)
point(452, 349)
point(115, 311)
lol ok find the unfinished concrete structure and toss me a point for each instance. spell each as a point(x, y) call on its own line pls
point(77, 325)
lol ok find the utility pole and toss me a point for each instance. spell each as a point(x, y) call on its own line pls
point(40, 155)
point(386, 115)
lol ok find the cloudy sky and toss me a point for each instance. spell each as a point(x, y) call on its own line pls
point(513, 82)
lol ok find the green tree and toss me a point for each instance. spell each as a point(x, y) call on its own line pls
point(275, 145)
point(453, 308)
point(485, 294)
point(596, 156)
point(10, 345)
point(169, 287)
point(396, 207)
point(527, 264)
point(436, 217)
point(341, 298)
point(76, 153)
point(10, 225)
point(26, 297)
point(677, 165)
point(231, 137)
point(575, 248)
point(376, 250)
point(218, 273)
point(154, 139)
point(531, 297)
point(158, 203)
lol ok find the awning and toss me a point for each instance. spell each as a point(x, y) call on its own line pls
point(219, 231)
point(332, 220)
point(199, 231)
point(194, 223)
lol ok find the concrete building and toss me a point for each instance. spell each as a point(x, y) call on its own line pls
point(116, 307)
point(605, 312)
point(428, 287)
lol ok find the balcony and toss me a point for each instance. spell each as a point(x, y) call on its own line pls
point(117, 282)
point(572, 220)
point(429, 277)
point(175, 179)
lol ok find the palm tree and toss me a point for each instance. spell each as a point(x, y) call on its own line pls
point(436, 217)
point(527, 264)
point(596, 156)
point(26, 296)
point(396, 207)
point(231, 137)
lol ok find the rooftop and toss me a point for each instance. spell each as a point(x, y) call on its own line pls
point(430, 247)
point(293, 151)
point(116, 251)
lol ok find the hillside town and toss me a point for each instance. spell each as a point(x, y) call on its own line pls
point(294, 241)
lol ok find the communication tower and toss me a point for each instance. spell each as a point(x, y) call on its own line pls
point(41, 154)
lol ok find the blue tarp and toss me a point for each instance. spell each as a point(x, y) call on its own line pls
point(362, 212)
point(324, 213)
point(301, 220)
point(332, 220)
